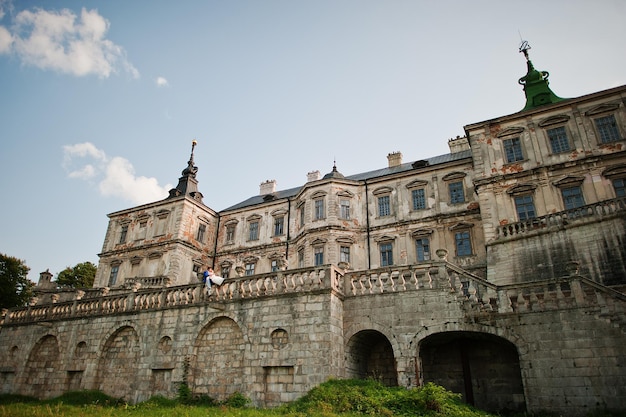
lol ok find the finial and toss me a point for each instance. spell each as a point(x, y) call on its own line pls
point(524, 47)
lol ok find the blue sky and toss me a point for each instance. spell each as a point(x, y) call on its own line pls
point(100, 100)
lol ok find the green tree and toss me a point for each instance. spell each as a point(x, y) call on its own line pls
point(80, 276)
point(15, 287)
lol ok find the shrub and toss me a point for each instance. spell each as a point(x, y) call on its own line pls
point(236, 400)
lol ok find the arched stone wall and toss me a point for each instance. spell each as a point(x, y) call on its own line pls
point(369, 354)
point(484, 368)
point(218, 361)
point(44, 377)
point(119, 363)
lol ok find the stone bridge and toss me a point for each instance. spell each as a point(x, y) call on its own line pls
point(557, 345)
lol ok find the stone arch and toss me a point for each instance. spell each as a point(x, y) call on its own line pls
point(118, 366)
point(217, 366)
point(43, 374)
point(482, 367)
point(369, 354)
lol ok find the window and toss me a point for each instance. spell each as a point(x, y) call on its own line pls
point(319, 256)
point(274, 265)
point(607, 129)
point(558, 139)
point(525, 207)
point(123, 234)
point(456, 192)
point(463, 243)
point(225, 271)
point(383, 206)
point(572, 197)
point(618, 185)
point(422, 246)
point(419, 199)
point(300, 258)
point(344, 209)
point(301, 209)
point(201, 232)
point(279, 223)
point(143, 226)
point(513, 150)
point(250, 268)
point(113, 275)
point(254, 231)
point(319, 209)
point(344, 254)
point(230, 233)
point(386, 254)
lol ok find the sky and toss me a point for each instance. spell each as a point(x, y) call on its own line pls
point(100, 100)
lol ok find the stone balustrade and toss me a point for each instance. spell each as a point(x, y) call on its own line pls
point(594, 211)
point(477, 294)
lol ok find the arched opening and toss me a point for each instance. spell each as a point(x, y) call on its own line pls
point(370, 355)
point(483, 368)
point(119, 364)
point(217, 368)
point(44, 378)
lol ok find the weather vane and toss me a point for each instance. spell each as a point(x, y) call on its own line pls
point(524, 47)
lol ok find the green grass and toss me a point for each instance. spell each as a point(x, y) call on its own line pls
point(334, 398)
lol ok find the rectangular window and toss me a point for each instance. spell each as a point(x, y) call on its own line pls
point(279, 223)
point(319, 256)
point(607, 129)
point(319, 209)
point(344, 209)
point(254, 231)
point(463, 243)
point(572, 197)
point(525, 207)
point(123, 234)
point(457, 195)
point(250, 269)
point(302, 215)
point(558, 140)
point(113, 275)
point(344, 254)
point(383, 206)
point(419, 199)
point(225, 271)
point(618, 185)
point(301, 258)
point(143, 226)
point(513, 150)
point(201, 232)
point(274, 265)
point(386, 254)
point(423, 249)
point(230, 233)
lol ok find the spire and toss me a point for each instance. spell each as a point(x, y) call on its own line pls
point(334, 173)
point(536, 84)
point(187, 183)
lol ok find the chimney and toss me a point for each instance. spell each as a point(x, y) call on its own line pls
point(458, 144)
point(267, 187)
point(313, 176)
point(395, 159)
point(45, 280)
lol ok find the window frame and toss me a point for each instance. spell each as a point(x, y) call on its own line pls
point(425, 254)
point(558, 139)
point(344, 209)
point(249, 268)
point(279, 225)
point(620, 190)
point(386, 253)
point(521, 207)
point(454, 193)
point(418, 195)
point(384, 205)
point(463, 242)
point(319, 211)
point(318, 255)
point(123, 234)
point(201, 232)
point(513, 151)
point(609, 131)
point(575, 200)
point(253, 230)
point(115, 270)
point(344, 253)
point(230, 232)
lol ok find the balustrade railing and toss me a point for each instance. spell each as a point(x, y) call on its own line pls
point(563, 218)
point(139, 299)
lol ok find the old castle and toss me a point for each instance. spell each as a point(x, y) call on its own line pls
point(496, 270)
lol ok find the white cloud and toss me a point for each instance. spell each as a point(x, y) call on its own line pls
point(63, 42)
point(115, 177)
point(161, 82)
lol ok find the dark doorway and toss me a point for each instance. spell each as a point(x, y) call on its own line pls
point(483, 368)
point(370, 355)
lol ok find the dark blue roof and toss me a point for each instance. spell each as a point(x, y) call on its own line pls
point(409, 166)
